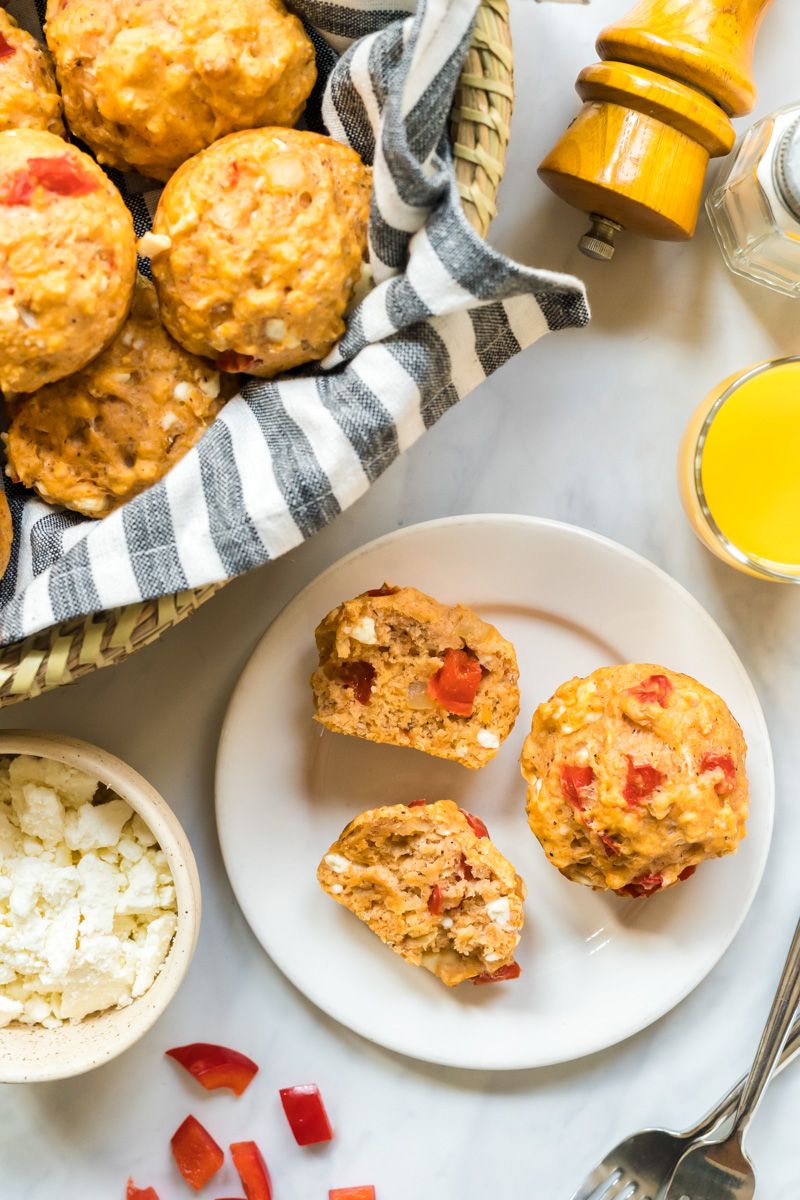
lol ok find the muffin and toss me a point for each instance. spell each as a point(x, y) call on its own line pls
point(263, 238)
point(636, 775)
point(6, 533)
point(396, 666)
point(428, 881)
point(149, 84)
point(93, 441)
point(67, 259)
point(28, 95)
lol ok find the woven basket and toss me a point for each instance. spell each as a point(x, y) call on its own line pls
point(480, 130)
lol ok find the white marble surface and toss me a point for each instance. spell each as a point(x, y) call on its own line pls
point(584, 428)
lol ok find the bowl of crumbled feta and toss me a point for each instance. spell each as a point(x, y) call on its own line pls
point(99, 906)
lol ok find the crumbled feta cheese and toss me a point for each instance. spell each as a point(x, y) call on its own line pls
point(447, 922)
point(488, 739)
point(90, 827)
point(87, 901)
point(499, 911)
point(210, 387)
point(363, 630)
point(182, 391)
point(337, 889)
point(275, 329)
point(150, 245)
point(338, 863)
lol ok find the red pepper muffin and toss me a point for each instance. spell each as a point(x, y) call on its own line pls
point(636, 775)
point(28, 95)
point(67, 259)
point(396, 666)
point(148, 84)
point(96, 439)
point(262, 242)
point(428, 881)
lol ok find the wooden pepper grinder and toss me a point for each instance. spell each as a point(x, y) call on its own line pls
point(654, 112)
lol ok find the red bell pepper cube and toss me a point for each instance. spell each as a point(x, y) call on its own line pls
point(306, 1114)
point(197, 1154)
point(355, 1193)
point(132, 1192)
point(253, 1171)
point(215, 1066)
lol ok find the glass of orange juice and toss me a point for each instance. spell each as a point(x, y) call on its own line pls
point(739, 471)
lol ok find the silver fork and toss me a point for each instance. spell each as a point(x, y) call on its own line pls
point(642, 1165)
point(719, 1169)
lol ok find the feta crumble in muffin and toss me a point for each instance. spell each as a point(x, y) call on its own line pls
point(396, 666)
point(426, 879)
point(636, 775)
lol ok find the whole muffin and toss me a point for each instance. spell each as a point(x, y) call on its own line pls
point(430, 883)
point(28, 95)
point(93, 441)
point(263, 239)
point(67, 259)
point(399, 667)
point(148, 84)
point(636, 775)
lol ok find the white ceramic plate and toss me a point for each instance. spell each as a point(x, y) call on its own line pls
point(596, 968)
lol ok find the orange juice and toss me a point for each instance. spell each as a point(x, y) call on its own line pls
point(740, 471)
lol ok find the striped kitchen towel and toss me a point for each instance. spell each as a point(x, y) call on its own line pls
point(285, 457)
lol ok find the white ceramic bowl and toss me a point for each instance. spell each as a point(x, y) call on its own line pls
point(31, 1054)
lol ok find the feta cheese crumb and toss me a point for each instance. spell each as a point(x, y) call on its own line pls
point(488, 739)
point(150, 245)
point(87, 900)
point(499, 911)
point(363, 630)
point(210, 387)
point(338, 863)
point(182, 391)
point(337, 888)
point(447, 922)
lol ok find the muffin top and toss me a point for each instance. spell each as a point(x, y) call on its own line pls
point(28, 94)
point(264, 237)
point(149, 84)
point(636, 774)
point(67, 259)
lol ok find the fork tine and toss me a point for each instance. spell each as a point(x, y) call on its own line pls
point(615, 1187)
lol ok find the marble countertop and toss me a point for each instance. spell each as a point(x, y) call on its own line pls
point(584, 428)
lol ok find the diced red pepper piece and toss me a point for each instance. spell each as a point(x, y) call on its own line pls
point(215, 1066)
point(475, 823)
point(197, 1154)
point(575, 783)
point(253, 1171)
point(417, 803)
point(454, 685)
point(642, 781)
point(436, 901)
point(512, 971)
point(360, 676)
point(653, 690)
point(353, 1193)
point(612, 848)
point(725, 764)
point(306, 1114)
point(645, 885)
point(385, 589)
point(6, 49)
point(17, 188)
point(687, 873)
point(132, 1192)
point(63, 175)
point(231, 360)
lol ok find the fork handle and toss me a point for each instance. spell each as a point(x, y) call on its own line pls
point(724, 1110)
point(784, 1006)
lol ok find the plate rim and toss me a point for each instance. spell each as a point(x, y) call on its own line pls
point(491, 1062)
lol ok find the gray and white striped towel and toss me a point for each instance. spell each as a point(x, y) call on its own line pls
point(285, 457)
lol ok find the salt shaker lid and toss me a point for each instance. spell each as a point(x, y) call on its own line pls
point(787, 168)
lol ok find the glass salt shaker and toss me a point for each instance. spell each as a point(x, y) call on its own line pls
point(755, 205)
